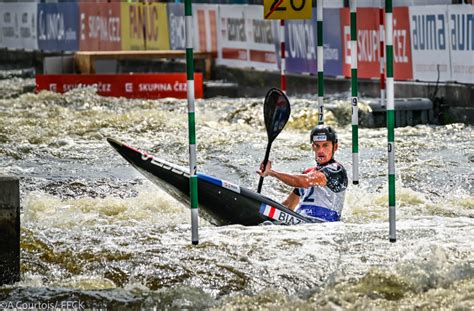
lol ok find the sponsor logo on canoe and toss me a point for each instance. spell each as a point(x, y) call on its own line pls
point(276, 214)
point(230, 186)
point(163, 164)
point(219, 182)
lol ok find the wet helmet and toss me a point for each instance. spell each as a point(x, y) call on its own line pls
point(322, 133)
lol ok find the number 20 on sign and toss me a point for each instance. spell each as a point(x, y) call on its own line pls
point(287, 9)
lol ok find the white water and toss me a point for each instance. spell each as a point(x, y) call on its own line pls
point(94, 228)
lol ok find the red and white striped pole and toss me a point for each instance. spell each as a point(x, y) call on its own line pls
point(382, 58)
point(282, 54)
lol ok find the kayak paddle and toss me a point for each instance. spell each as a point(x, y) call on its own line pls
point(276, 112)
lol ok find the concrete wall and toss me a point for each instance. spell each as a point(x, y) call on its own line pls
point(9, 230)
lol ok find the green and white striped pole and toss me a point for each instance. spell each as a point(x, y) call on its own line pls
point(354, 100)
point(390, 121)
point(193, 181)
point(320, 55)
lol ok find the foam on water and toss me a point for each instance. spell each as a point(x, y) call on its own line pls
point(363, 205)
point(151, 206)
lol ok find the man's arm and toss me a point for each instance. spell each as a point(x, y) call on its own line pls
point(313, 178)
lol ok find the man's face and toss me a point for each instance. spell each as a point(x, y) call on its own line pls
point(323, 151)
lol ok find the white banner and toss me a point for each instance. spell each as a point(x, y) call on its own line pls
point(177, 26)
point(260, 39)
point(18, 26)
point(27, 22)
point(430, 43)
point(232, 49)
point(205, 18)
point(9, 16)
point(461, 34)
point(245, 38)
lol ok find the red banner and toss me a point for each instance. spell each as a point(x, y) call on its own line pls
point(100, 26)
point(402, 61)
point(124, 85)
point(368, 65)
point(368, 36)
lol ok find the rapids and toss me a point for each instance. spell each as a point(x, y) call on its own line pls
point(95, 231)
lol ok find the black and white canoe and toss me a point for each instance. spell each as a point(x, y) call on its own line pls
point(220, 202)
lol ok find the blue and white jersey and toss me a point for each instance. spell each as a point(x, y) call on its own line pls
point(324, 202)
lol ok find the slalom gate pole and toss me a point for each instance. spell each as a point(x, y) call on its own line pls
point(382, 58)
point(193, 181)
point(390, 121)
point(320, 56)
point(282, 56)
point(354, 91)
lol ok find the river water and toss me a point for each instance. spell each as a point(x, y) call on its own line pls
point(94, 231)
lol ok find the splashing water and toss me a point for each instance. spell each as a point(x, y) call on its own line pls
point(96, 230)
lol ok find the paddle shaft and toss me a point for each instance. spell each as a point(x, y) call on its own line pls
point(265, 161)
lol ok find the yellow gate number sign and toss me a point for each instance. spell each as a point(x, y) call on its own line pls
point(287, 9)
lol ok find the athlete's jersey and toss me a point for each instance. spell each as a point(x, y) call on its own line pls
point(324, 203)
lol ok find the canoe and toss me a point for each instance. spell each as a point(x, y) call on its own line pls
point(220, 202)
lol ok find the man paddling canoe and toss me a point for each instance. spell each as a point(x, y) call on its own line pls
point(319, 192)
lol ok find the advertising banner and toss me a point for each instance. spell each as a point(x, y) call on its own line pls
point(18, 26)
point(232, 49)
point(402, 60)
point(156, 26)
point(301, 44)
point(332, 42)
point(260, 40)
point(368, 46)
point(177, 26)
point(287, 9)
point(100, 26)
point(57, 28)
point(27, 25)
point(9, 26)
point(461, 33)
point(246, 40)
point(148, 86)
point(133, 26)
point(430, 43)
point(205, 18)
point(144, 26)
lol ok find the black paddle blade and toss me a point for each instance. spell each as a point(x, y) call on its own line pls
point(276, 112)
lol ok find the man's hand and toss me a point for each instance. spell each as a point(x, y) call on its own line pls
point(265, 171)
